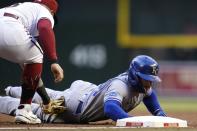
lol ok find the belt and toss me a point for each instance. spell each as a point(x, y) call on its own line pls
point(79, 107)
point(11, 15)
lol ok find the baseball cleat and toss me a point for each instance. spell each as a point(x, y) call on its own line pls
point(7, 90)
point(13, 93)
point(25, 115)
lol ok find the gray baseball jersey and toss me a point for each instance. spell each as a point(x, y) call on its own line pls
point(117, 88)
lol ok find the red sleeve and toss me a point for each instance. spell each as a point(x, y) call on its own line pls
point(47, 39)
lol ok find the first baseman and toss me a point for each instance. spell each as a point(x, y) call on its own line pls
point(87, 102)
point(22, 24)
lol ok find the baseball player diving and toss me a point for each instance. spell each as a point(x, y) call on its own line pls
point(87, 102)
point(26, 36)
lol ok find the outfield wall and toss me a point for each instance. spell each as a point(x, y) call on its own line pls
point(179, 79)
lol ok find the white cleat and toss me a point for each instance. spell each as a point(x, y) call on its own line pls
point(7, 90)
point(25, 115)
point(13, 91)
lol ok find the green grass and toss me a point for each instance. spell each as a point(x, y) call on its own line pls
point(175, 104)
point(179, 105)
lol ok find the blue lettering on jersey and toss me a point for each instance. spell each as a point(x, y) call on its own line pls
point(113, 94)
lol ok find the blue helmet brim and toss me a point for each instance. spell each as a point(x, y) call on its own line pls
point(151, 78)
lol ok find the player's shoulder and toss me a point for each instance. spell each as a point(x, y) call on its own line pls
point(27, 7)
point(119, 84)
point(39, 11)
point(33, 5)
point(30, 4)
point(119, 87)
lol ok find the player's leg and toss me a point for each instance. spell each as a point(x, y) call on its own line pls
point(15, 91)
point(17, 46)
point(31, 76)
point(41, 90)
point(9, 105)
point(47, 102)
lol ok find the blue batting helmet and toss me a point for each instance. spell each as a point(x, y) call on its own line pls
point(143, 67)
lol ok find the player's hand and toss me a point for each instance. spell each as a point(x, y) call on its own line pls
point(160, 113)
point(58, 72)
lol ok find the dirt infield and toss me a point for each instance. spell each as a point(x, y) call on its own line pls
point(191, 117)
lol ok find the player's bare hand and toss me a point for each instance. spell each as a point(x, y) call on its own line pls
point(58, 72)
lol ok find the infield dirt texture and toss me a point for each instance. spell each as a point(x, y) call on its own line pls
point(182, 109)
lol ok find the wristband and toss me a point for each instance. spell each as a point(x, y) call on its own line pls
point(52, 61)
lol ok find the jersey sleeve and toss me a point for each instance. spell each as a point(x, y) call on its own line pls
point(47, 40)
point(45, 14)
point(116, 91)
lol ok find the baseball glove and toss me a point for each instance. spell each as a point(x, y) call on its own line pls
point(54, 107)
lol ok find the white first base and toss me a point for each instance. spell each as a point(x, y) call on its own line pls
point(151, 121)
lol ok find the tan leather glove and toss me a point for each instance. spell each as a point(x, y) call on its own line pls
point(54, 107)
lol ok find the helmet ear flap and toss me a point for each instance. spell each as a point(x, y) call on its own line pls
point(133, 78)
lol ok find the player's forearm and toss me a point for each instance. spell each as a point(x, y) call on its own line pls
point(153, 105)
point(47, 39)
point(113, 110)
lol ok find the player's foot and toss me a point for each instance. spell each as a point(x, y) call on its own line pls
point(7, 90)
point(13, 91)
point(25, 115)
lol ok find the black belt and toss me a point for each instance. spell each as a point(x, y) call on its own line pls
point(79, 107)
point(11, 15)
